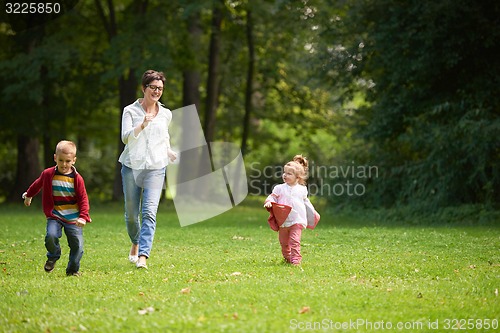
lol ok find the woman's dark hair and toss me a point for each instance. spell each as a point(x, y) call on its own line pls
point(151, 75)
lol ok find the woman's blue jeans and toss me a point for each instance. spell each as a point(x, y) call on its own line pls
point(74, 234)
point(142, 191)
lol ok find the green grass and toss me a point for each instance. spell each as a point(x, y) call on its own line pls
point(226, 275)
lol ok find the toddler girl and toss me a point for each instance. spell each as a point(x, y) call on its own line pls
point(293, 193)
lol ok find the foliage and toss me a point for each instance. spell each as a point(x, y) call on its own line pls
point(432, 115)
point(353, 268)
point(406, 87)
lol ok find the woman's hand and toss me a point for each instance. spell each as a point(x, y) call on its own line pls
point(172, 155)
point(268, 204)
point(147, 119)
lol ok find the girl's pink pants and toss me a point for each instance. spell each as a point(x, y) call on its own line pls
point(290, 243)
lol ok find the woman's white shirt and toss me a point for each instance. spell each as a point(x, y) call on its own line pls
point(149, 149)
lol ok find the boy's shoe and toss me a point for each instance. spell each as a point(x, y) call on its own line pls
point(49, 266)
point(73, 274)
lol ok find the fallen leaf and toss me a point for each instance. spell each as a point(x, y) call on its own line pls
point(165, 279)
point(472, 266)
point(147, 310)
point(185, 290)
point(235, 315)
point(235, 273)
point(496, 292)
point(304, 309)
point(419, 295)
point(141, 293)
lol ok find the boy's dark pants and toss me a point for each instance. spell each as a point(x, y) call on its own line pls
point(74, 235)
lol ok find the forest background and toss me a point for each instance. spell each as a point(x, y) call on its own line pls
point(395, 103)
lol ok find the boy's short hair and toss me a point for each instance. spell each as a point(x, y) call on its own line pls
point(66, 147)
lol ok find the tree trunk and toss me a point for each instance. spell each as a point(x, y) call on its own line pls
point(127, 90)
point(249, 88)
point(28, 162)
point(28, 165)
point(213, 73)
point(191, 95)
point(191, 74)
point(127, 84)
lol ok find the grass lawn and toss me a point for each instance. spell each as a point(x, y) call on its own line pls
point(226, 275)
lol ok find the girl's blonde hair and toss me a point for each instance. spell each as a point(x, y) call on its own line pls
point(300, 167)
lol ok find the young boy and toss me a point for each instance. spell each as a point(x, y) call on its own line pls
point(65, 204)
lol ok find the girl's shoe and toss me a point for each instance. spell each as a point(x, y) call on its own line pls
point(133, 259)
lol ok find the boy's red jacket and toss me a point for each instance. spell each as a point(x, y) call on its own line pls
point(44, 183)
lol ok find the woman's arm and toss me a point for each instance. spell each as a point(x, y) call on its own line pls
point(128, 127)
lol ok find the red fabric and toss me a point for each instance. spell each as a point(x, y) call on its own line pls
point(44, 183)
point(277, 215)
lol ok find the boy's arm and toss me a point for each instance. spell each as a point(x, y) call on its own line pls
point(33, 190)
point(27, 200)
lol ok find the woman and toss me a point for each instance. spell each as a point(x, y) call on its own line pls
point(147, 153)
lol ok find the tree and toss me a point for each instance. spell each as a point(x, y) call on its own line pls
point(249, 83)
point(127, 82)
point(213, 71)
point(25, 41)
point(432, 107)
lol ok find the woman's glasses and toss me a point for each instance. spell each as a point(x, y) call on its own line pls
point(154, 88)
